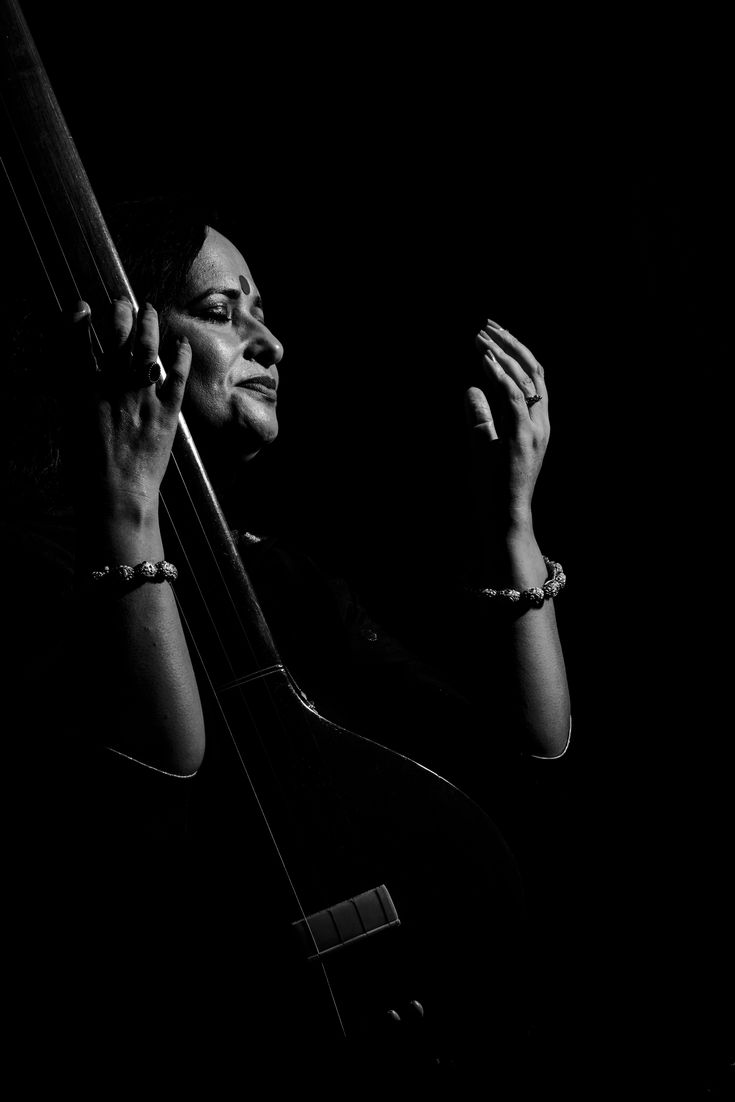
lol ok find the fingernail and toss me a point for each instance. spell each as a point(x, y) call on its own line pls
point(494, 324)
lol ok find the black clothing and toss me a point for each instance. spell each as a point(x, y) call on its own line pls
point(139, 929)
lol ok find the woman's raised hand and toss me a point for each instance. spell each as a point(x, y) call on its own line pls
point(126, 418)
point(508, 420)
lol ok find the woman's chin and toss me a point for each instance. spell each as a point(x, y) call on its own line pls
point(257, 432)
point(259, 436)
point(224, 449)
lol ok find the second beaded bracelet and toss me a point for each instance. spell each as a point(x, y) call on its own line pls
point(535, 596)
point(125, 576)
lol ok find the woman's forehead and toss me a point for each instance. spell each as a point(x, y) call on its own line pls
point(220, 261)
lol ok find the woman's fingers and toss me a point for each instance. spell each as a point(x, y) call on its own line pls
point(130, 344)
point(521, 355)
point(478, 414)
point(134, 346)
point(516, 388)
point(82, 314)
point(131, 363)
point(172, 389)
point(81, 339)
point(500, 376)
point(495, 355)
point(118, 339)
point(145, 368)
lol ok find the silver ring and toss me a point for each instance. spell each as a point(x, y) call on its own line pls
point(145, 374)
point(533, 400)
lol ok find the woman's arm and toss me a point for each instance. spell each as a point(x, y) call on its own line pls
point(130, 640)
point(509, 440)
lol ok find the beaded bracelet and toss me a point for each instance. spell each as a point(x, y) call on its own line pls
point(536, 595)
point(145, 571)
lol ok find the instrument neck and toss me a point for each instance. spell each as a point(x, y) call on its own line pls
point(80, 261)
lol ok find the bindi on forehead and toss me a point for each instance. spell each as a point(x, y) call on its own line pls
point(247, 289)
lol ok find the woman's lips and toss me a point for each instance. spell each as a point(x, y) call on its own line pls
point(261, 384)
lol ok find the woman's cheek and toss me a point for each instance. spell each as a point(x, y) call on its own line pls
point(203, 401)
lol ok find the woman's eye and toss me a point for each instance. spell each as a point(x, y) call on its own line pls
point(215, 313)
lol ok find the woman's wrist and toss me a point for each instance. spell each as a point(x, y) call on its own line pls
point(518, 534)
point(511, 556)
point(102, 503)
point(522, 565)
point(119, 535)
point(511, 525)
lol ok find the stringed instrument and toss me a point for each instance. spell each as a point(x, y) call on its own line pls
point(393, 895)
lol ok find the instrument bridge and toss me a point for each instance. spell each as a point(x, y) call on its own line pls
point(347, 922)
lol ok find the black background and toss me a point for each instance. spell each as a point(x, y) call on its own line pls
point(399, 180)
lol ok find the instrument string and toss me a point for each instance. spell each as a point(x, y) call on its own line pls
point(193, 573)
point(30, 232)
point(254, 728)
point(216, 564)
point(276, 717)
point(200, 656)
point(103, 284)
point(106, 292)
point(259, 804)
point(213, 557)
point(53, 230)
point(233, 604)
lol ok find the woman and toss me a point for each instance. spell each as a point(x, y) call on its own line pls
point(222, 368)
point(230, 402)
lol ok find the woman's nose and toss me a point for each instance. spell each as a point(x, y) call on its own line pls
point(264, 348)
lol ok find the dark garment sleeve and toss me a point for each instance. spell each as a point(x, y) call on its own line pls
point(366, 679)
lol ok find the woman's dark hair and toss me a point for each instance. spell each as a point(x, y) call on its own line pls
point(158, 239)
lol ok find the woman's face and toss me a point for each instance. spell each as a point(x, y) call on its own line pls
point(230, 400)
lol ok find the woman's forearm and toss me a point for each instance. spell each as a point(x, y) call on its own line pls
point(538, 684)
point(137, 651)
point(130, 639)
